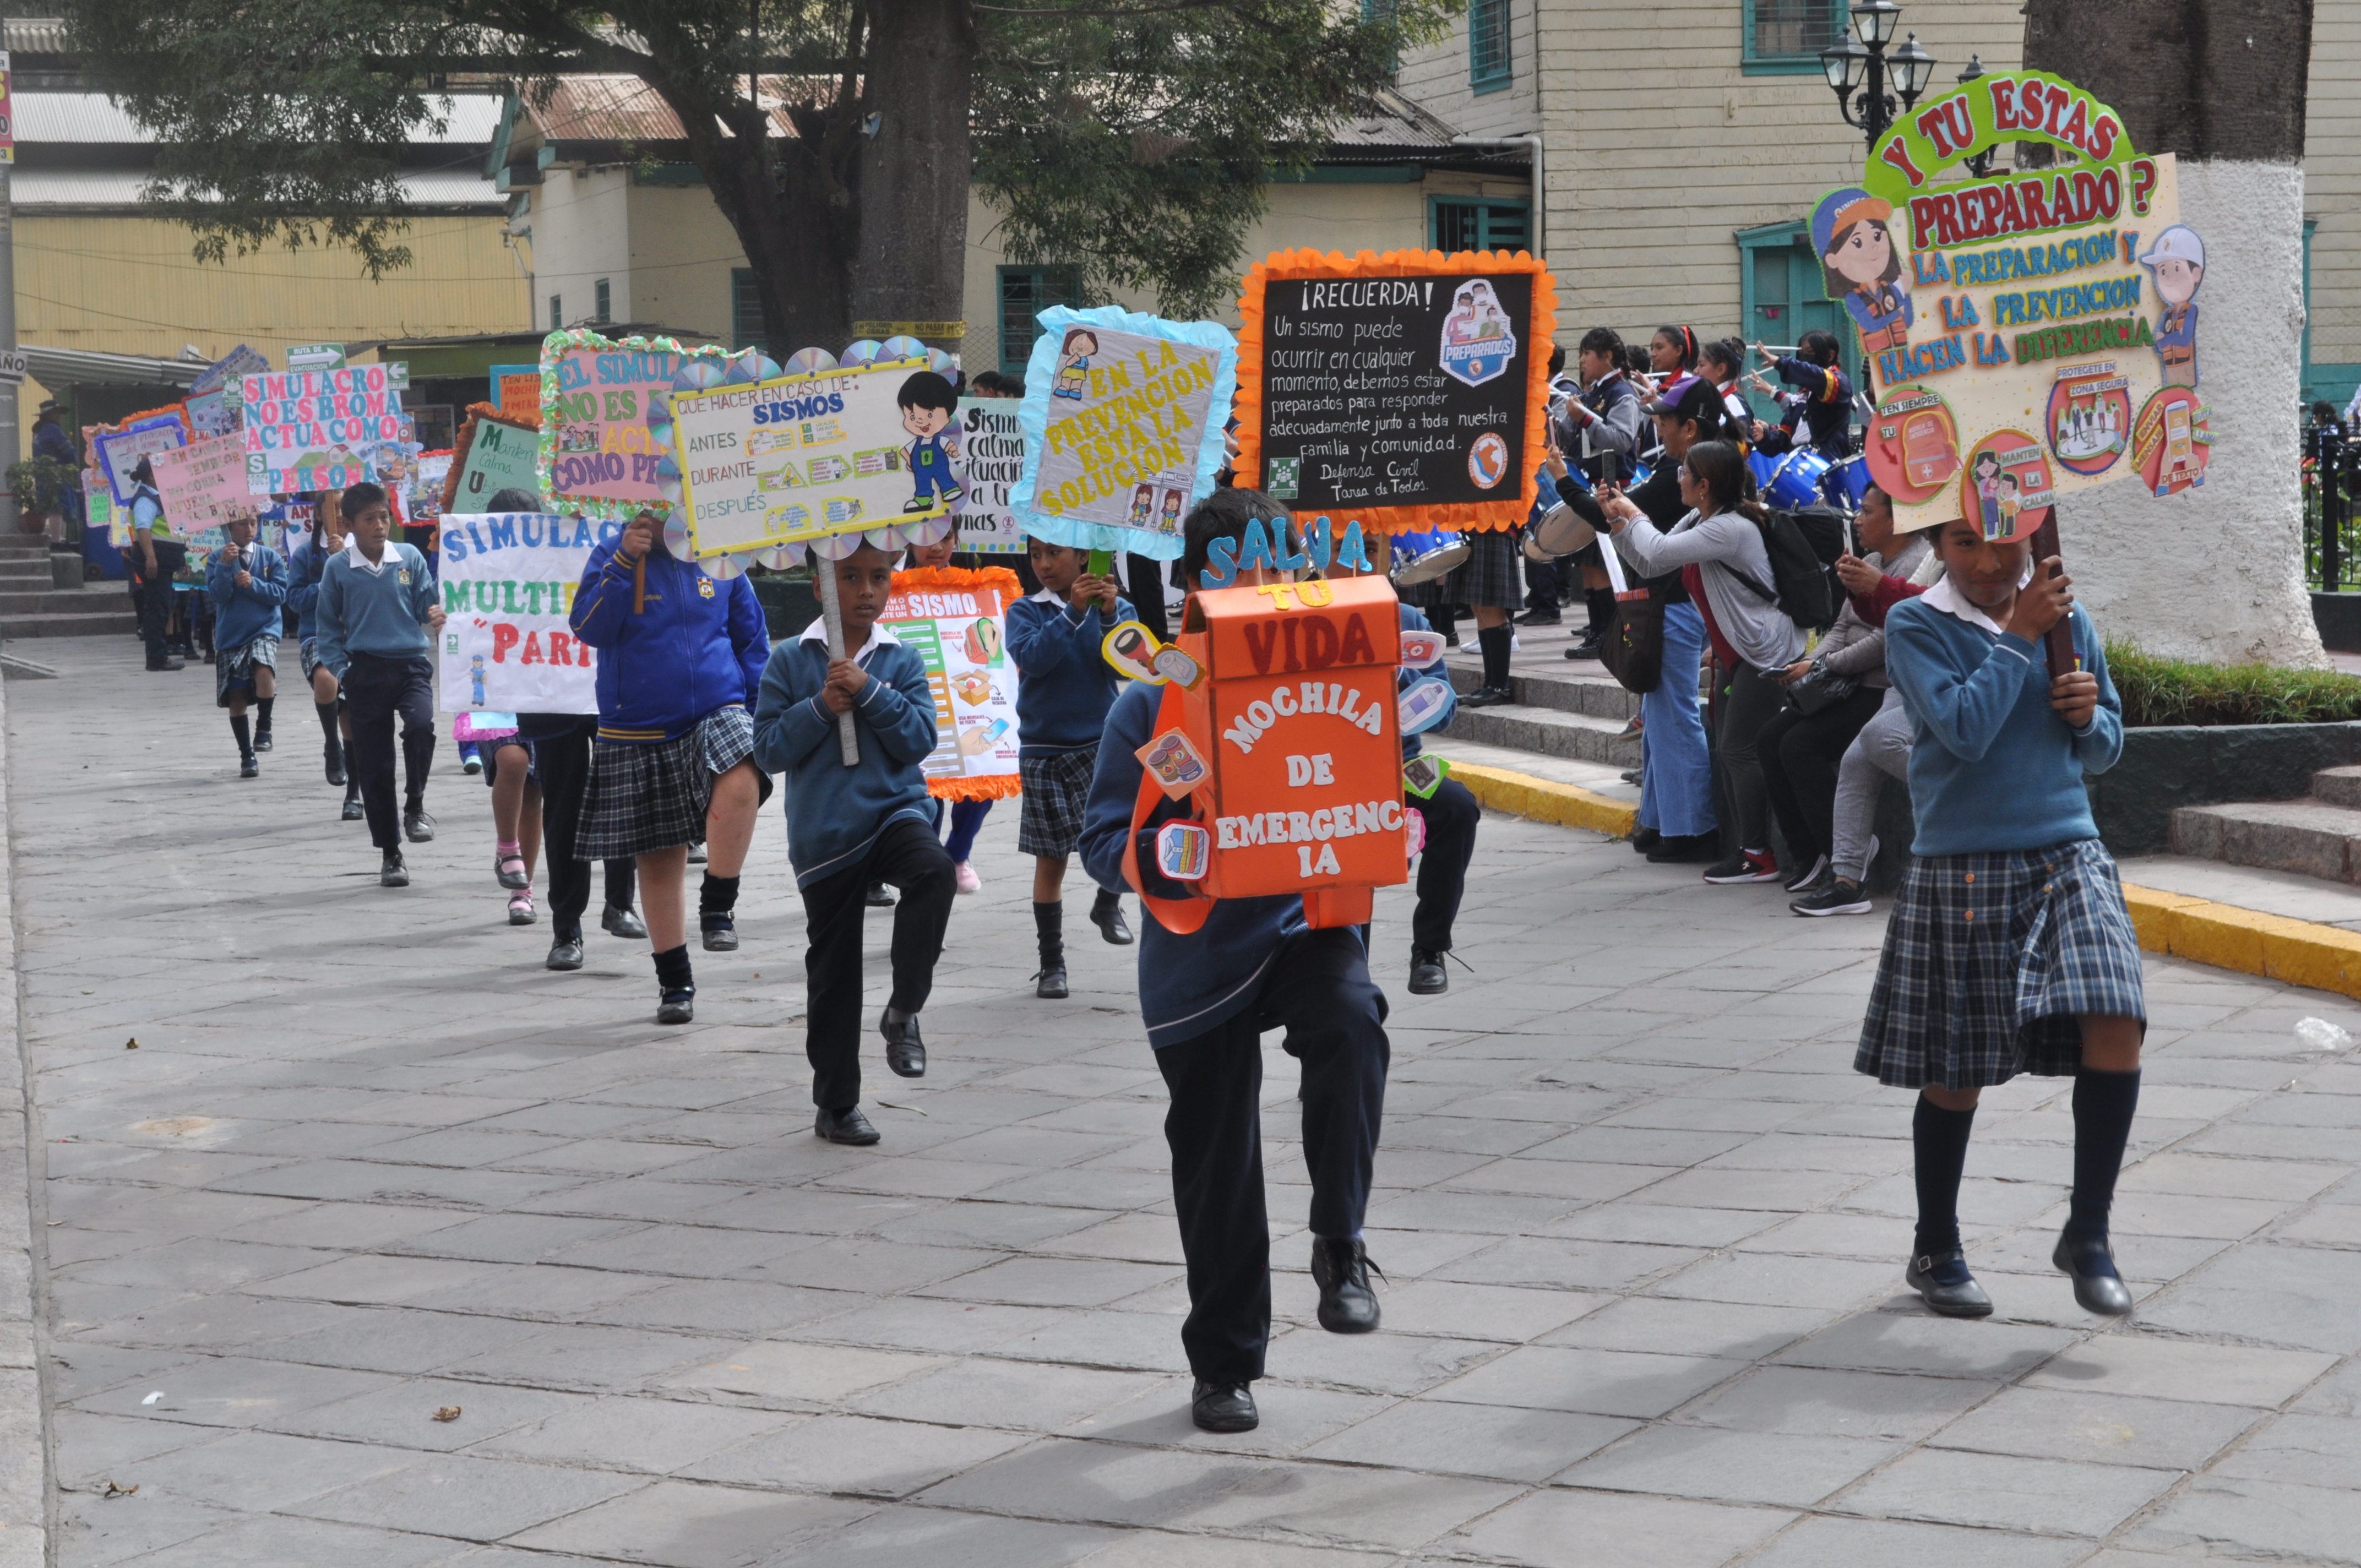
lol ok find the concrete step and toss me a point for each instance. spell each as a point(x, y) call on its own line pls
point(2338, 786)
point(2310, 837)
point(40, 598)
point(72, 623)
point(1549, 731)
point(1595, 694)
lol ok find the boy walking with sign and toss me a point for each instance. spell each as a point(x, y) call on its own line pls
point(848, 827)
point(248, 585)
point(376, 617)
point(1206, 997)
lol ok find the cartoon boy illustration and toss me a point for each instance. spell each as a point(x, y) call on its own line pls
point(1985, 478)
point(1074, 362)
point(930, 410)
point(476, 679)
point(2009, 507)
point(2178, 262)
point(1861, 265)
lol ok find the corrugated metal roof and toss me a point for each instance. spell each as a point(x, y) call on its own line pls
point(624, 108)
point(37, 34)
point(88, 118)
point(1395, 122)
point(32, 189)
point(87, 368)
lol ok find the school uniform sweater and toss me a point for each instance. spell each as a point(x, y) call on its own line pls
point(380, 612)
point(243, 614)
point(835, 813)
point(1191, 983)
point(1992, 765)
point(305, 567)
point(671, 649)
point(1414, 619)
point(1064, 684)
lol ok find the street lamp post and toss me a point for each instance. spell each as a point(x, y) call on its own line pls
point(1859, 71)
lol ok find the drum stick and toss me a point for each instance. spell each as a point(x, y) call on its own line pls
point(831, 615)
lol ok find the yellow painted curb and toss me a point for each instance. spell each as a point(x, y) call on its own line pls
point(2300, 952)
point(1544, 800)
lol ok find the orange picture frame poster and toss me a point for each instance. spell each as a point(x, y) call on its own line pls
point(1405, 391)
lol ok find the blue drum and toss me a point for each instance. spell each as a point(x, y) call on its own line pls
point(1796, 482)
point(1762, 465)
point(1846, 483)
point(1424, 556)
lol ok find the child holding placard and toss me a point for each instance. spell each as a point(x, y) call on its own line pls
point(248, 585)
point(1064, 687)
point(1206, 997)
point(848, 825)
point(2010, 948)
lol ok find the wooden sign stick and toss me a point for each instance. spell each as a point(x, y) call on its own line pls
point(831, 615)
point(2059, 642)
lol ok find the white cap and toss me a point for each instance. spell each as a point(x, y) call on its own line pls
point(2178, 242)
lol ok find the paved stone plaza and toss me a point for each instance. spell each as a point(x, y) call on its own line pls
point(1643, 1229)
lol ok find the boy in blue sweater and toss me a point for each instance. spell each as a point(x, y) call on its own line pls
point(377, 614)
point(680, 655)
point(1064, 687)
point(305, 567)
point(248, 585)
point(2010, 950)
point(848, 827)
point(1206, 998)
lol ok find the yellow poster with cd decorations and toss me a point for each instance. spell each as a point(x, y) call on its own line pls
point(800, 457)
point(2016, 325)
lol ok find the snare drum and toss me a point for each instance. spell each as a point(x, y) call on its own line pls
point(1426, 554)
point(1846, 483)
point(1796, 482)
point(1560, 532)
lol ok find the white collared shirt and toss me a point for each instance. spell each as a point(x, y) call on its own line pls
point(878, 637)
point(1946, 596)
point(362, 562)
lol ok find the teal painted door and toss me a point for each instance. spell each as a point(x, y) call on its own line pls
point(1788, 301)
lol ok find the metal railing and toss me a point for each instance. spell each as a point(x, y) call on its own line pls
point(2331, 505)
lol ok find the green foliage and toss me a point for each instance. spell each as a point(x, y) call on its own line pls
point(1134, 141)
point(2157, 691)
point(40, 484)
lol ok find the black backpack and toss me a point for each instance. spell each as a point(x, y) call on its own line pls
point(1803, 545)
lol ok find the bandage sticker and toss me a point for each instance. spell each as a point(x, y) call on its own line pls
point(1183, 850)
point(1174, 763)
point(1423, 704)
point(1422, 775)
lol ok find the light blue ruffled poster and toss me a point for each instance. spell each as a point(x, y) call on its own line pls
point(1123, 416)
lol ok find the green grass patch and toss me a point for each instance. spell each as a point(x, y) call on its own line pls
point(2174, 691)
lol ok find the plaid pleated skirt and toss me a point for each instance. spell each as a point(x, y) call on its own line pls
point(1056, 786)
point(643, 799)
point(1487, 578)
point(233, 667)
point(1989, 960)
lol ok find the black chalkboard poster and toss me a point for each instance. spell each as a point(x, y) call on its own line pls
point(1397, 391)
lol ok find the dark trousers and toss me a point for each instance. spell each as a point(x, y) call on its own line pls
point(1541, 588)
point(1739, 718)
point(906, 856)
point(1319, 991)
point(1800, 754)
point(1451, 816)
point(1147, 576)
point(563, 766)
point(376, 690)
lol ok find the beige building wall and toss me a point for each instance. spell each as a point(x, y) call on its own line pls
point(2332, 197)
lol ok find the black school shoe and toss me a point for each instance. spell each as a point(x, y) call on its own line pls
point(262, 739)
point(1680, 849)
point(168, 664)
point(879, 896)
point(720, 932)
point(1341, 1269)
point(677, 1006)
point(566, 953)
point(416, 826)
point(1049, 983)
point(333, 756)
point(847, 1126)
point(1427, 975)
point(1943, 1282)
point(393, 873)
point(1487, 696)
point(905, 1053)
point(2091, 1266)
point(1223, 1407)
point(354, 810)
point(1111, 923)
point(1644, 839)
point(624, 923)
point(247, 768)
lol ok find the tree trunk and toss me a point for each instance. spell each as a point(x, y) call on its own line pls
point(912, 250)
point(2221, 84)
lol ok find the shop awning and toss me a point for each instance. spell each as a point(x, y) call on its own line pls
point(60, 368)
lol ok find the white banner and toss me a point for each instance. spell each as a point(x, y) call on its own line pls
point(508, 582)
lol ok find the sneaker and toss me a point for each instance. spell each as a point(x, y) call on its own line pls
point(416, 826)
point(697, 854)
point(262, 739)
point(623, 923)
point(964, 878)
point(1836, 897)
point(469, 762)
point(1751, 865)
point(247, 768)
point(1630, 731)
point(520, 907)
point(393, 873)
point(1804, 883)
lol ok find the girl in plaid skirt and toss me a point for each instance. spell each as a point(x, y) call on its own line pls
point(2010, 950)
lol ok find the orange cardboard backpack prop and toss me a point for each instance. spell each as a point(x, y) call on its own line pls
point(1289, 750)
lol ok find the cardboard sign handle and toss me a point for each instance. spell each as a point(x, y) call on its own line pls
point(2058, 642)
point(832, 614)
point(1178, 915)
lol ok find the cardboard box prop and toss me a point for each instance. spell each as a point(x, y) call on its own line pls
point(1295, 725)
point(1407, 390)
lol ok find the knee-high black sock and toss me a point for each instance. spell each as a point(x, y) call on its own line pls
point(716, 894)
point(1939, 1139)
point(1444, 620)
point(1108, 898)
point(240, 728)
point(327, 712)
point(1048, 919)
point(2104, 1104)
point(262, 711)
point(1600, 603)
point(1494, 640)
point(673, 972)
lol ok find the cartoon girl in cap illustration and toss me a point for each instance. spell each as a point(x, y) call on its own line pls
point(1862, 267)
point(2178, 262)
